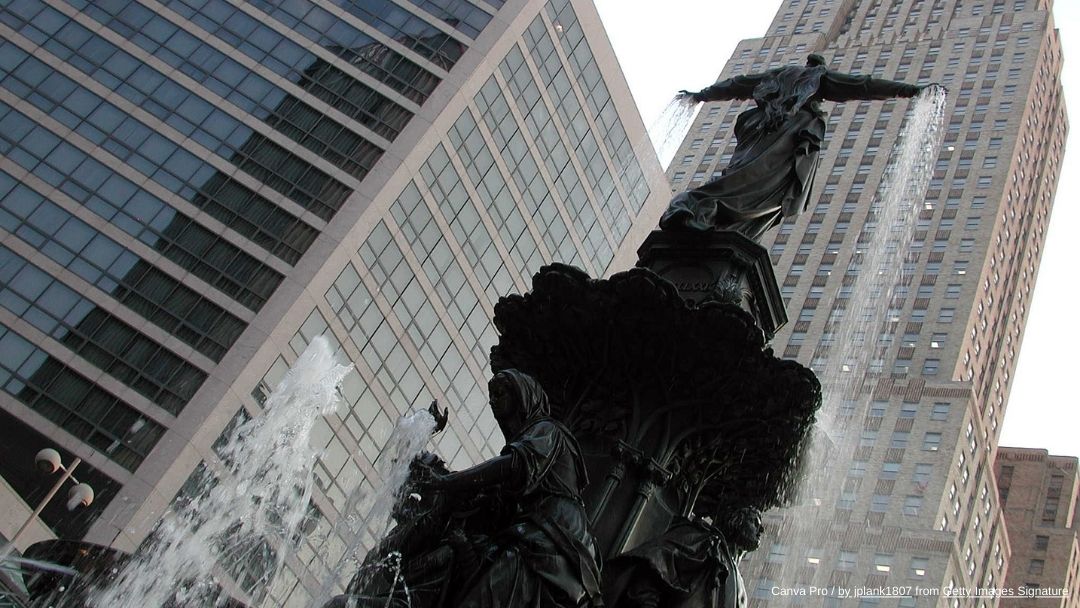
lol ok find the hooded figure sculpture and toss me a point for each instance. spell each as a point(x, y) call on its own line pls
point(546, 555)
point(777, 146)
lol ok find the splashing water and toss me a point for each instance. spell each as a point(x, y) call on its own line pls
point(852, 333)
point(370, 510)
point(246, 522)
point(670, 128)
point(409, 437)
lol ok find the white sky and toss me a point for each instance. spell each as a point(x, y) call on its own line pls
point(683, 44)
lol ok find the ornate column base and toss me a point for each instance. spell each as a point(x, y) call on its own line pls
point(722, 266)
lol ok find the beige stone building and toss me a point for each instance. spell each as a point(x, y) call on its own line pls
point(1040, 495)
point(908, 503)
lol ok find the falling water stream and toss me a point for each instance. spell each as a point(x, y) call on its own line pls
point(670, 128)
point(244, 524)
point(854, 350)
point(370, 510)
point(880, 261)
point(251, 515)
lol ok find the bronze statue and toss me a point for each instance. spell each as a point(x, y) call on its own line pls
point(694, 564)
point(510, 531)
point(777, 146)
point(546, 556)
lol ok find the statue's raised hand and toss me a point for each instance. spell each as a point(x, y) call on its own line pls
point(692, 95)
point(440, 417)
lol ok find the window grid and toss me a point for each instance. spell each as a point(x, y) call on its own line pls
point(136, 211)
point(186, 112)
point(74, 403)
point(112, 345)
point(401, 25)
point(118, 271)
point(228, 78)
point(168, 164)
point(290, 60)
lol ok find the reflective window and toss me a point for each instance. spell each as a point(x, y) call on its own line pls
point(228, 78)
point(404, 27)
point(292, 61)
point(424, 325)
point(116, 270)
point(460, 211)
point(467, 312)
point(74, 403)
point(182, 172)
point(498, 199)
point(98, 336)
point(184, 110)
point(587, 73)
point(510, 140)
point(135, 211)
point(462, 15)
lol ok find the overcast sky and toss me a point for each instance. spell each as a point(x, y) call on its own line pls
point(684, 45)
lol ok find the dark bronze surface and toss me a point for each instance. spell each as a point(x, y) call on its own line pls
point(777, 144)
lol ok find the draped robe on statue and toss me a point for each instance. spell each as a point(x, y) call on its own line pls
point(690, 566)
point(777, 146)
point(547, 557)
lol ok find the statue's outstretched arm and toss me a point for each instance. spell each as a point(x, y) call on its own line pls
point(737, 87)
point(440, 416)
point(498, 470)
point(836, 86)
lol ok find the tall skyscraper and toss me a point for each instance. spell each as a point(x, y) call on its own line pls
point(918, 505)
point(1040, 495)
point(191, 190)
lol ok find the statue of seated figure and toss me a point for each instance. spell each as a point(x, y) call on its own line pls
point(511, 531)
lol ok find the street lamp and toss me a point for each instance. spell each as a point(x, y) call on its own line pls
point(48, 461)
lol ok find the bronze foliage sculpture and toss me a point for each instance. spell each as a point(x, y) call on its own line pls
point(670, 410)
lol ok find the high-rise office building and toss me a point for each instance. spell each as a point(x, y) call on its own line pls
point(191, 190)
point(917, 505)
point(1040, 495)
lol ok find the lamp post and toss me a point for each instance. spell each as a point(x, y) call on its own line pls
point(48, 461)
